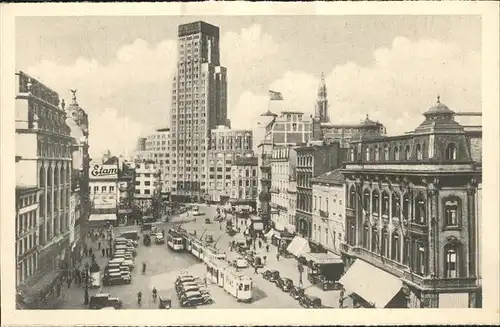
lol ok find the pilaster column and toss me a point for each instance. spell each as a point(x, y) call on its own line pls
point(432, 199)
point(471, 227)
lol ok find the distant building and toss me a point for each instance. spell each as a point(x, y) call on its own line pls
point(329, 211)
point(344, 133)
point(313, 160)
point(413, 213)
point(158, 149)
point(147, 186)
point(104, 194)
point(244, 181)
point(290, 128)
point(283, 166)
point(141, 144)
point(226, 146)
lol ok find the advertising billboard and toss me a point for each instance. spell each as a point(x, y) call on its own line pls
point(99, 171)
point(104, 201)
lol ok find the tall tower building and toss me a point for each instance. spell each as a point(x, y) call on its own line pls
point(199, 104)
point(321, 111)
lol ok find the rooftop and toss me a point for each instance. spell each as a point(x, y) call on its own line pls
point(334, 177)
point(246, 161)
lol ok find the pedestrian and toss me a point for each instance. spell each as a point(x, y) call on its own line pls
point(93, 257)
point(255, 270)
point(90, 252)
point(103, 251)
point(341, 303)
point(260, 244)
point(267, 247)
point(69, 282)
point(99, 245)
point(265, 259)
point(278, 256)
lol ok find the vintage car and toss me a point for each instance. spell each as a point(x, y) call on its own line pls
point(192, 299)
point(147, 240)
point(241, 262)
point(296, 292)
point(285, 284)
point(208, 221)
point(159, 239)
point(231, 231)
point(308, 301)
point(116, 278)
point(184, 278)
point(103, 300)
point(164, 302)
point(271, 275)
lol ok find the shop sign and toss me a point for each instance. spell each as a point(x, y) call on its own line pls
point(103, 172)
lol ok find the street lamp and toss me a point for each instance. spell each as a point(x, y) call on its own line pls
point(86, 298)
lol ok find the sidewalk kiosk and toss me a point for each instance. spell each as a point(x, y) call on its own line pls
point(324, 270)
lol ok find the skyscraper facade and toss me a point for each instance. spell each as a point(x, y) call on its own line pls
point(199, 104)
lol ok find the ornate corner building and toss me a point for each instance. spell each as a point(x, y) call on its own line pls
point(413, 211)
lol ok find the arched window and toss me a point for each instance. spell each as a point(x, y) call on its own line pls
point(385, 203)
point(56, 176)
point(419, 152)
point(375, 203)
point(406, 251)
point(385, 243)
point(375, 239)
point(396, 204)
point(367, 154)
point(366, 200)
point(420, 210)
point(407, 153)
point(366, 237)
point(451, 259)
point(421, 259)
point(351, 154)
point(396, 152)
point(351, 233)
point(386, 153)
point(395, 247)
point(406, 206)
point(49, 176)
point(319, 234)
point(451, 152)
point(41, 176)
point(352, 197)
point(377, 153)
point(451, 212)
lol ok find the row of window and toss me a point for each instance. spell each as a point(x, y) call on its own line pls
point(27, 200)
point(54, 175)
point(324, 238)
point(55, 227)
point(27, 267)
point(389, 203)
point(53, 206)
point(103, 188)
point(26, 221)
point(304, 161)
point(394, 153)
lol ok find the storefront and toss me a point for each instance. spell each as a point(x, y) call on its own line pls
point(102, 220)
point(371, 287)
point(280, 239)
point(324, 270)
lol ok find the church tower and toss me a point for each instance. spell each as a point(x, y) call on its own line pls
point(321, 111)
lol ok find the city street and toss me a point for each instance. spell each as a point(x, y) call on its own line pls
point(164, 265)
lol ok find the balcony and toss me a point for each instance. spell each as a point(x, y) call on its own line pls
point(402, 271)
point(323, 214)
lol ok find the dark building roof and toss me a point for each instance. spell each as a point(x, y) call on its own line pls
point(331, 177)
point(26, 189)
point(198, 27)
point(111, 161)
point(165, 129)
point(246, 161)
point(439, 118)
point(269, 113)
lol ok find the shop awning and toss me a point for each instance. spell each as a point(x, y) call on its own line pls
point(258, 226)
point(323, 258)
point(102, 217)
point(298, 246)
point(371, 283)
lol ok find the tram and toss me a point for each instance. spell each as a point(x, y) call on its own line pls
point(235, 283)
point(210, 253)
point(175, 240)
point(197, 248)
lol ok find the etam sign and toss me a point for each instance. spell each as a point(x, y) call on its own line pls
point(103, 171)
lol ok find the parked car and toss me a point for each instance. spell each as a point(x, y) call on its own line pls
point(270, 275)
point(164, 302)
point(187, 287)
point(147, 240)
point(116, 279)
point(296, 292)
point(159, 239)
point(309, 301)
point(241, 262)
point(231, 231)
point(183, 278)
point(285, 284)
point(103, 300)
point(192, 299)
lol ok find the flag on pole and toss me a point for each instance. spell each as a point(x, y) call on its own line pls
point(275, 95)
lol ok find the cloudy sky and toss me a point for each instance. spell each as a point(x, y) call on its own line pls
point(390, 67)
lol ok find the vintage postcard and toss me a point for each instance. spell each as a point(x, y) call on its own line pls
point(261, 163)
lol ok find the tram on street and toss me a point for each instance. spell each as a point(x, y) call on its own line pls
point(197, 248)
point(175, 240)
point(210, 253)
point(235, 283)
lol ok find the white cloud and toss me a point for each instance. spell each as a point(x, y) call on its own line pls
point(401, 83)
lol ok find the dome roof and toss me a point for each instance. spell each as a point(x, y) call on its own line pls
point(439, 109)
point(368, 122)
point(269, 113)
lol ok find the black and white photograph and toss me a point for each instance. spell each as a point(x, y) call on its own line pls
point(244, 160)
